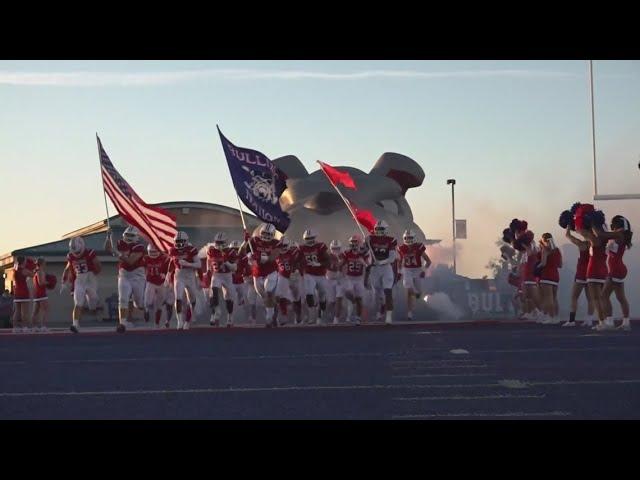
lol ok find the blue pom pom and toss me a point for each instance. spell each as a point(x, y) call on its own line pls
point(597, 219)
point(566, 219)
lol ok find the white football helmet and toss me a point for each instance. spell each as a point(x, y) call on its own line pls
point(354, 242)
point(220, 240)
point(409, 237)
point(380, 228)
point(76, 245)
point(285, 244)
point(181, 239)
point(130, 234)
point(267, 232)
point(335, 246)
point(152, 251)
point(234, 244)
point(309, 237)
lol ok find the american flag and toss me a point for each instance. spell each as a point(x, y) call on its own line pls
point(157, 225)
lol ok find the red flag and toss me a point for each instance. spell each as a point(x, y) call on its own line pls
point(364, 217)
point(338, 176)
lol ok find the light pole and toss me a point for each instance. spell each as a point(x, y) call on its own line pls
point(452, 182)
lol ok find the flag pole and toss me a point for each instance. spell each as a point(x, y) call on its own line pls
point(104, 192)
point(244, 224)
point(348, 205)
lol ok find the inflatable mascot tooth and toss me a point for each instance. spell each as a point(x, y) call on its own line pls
point(311, 201)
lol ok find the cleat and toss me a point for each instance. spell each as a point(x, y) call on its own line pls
point(74, 329)
point(625, 327)
point(121, 328)
point(569, 324)
point(587, 323)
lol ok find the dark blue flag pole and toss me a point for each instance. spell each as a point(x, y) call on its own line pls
point(257, 182)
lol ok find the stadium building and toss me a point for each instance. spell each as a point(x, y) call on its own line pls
point(200, 220)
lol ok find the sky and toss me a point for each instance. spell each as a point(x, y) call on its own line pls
point(516, 136)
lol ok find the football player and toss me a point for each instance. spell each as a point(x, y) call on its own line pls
point(184, 264)
point(221, 262)
point(356, 259)
point(238, 275)
point(381, 273)
point(414, 263)
point(85, 266)
point(156, 266)
point(288, 262)
point(335, 280)
point(316, 259)
point(131, 273)
point(262, 257)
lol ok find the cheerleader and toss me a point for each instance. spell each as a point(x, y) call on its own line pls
point(41, 282)
point(586, 218)
point(22, 270)
point(550, 262)
point(619, 240)
point(580, 281)
point(530, 283)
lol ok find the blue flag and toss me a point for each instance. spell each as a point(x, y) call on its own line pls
point(258, 182)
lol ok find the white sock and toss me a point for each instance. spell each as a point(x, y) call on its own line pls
point(123, 320)
point(76, 323)
point(608, 320)
point(389, 315)
point(626, 321)
point(410, 315)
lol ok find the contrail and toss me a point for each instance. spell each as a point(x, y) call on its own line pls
point(133, 79)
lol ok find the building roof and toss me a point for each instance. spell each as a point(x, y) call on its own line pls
point(200, 220)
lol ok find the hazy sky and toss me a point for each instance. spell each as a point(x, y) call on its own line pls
point(514, 134)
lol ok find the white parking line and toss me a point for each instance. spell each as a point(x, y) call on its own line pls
point(462, 397)
point(436, 367)
point(484, 414)
point(570, 349)
point(245, 357)
point(459, 351)
point(433, 375)
point(434, 361)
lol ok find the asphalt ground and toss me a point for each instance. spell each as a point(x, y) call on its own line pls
point(411, 371)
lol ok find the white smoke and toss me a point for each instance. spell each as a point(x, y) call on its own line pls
point(442, 304)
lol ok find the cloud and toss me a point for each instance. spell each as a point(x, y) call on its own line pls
point(124, 79)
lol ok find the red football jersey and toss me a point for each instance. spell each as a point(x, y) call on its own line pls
point(335, 262)
point(188, 253)
point(288, 262)
point(314, 253)
point(354, 262)
point(411, 255)
point(243, 270)
point(128, 249)
point(156, 268)
point(82, 263)
point(382, 245)
point(216, 259)
point(258, 247)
